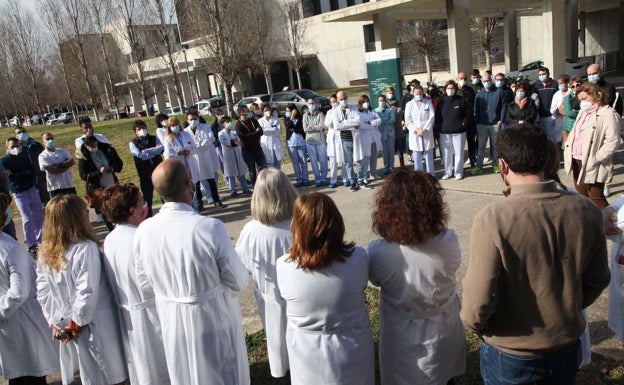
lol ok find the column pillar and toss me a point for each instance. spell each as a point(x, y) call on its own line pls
point(572, 29)
point(202, 84)
point(160, 99)
point(554, 32)
point(458, 21)
point(385, 31)
point(511, 40)
point(187, 93)
point(135, 99)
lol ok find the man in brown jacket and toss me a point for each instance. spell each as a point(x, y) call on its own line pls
point(537, 258)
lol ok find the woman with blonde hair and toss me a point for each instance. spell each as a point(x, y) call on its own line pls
point(27, 354)
point(322, 281)
point(76, 298)
point(588, 152)
point(262, 241)
point(421, 337)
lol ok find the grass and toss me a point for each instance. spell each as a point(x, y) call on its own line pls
point(602, 371)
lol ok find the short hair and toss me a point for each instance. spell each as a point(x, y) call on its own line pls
point(116, 200)
point(170, 178)
point(524, 147)
point(292, 107)
point(564, 77)
point(389, 88)
point(84, 119)
point(333, 96)
point(66, 222)
point(382, 96)
point(475, 72)
point(362, 99)
point(524, 85)
point(417, 87)
point(91, 140)
point(12, 139)
point(19, 129)
point(412, 221)
point(273, 197)
point(160, 117)
point(551, 167)
point(47, 133)
point(224, 119)
point(139, 123)
point(500, 74)
point(595, 92)
point(194, 113)
point(543, 69)
point(317, 233)
point(448, 82)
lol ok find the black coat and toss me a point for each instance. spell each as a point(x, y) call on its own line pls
point(90, 173)
point(515, 114)
point(452, 114)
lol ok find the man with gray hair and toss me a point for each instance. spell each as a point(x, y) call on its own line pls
point(187, 260)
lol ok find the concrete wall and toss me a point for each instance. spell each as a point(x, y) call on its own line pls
point(601, 32)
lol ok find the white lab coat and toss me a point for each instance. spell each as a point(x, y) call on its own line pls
point(26, 347)
point(421, 337)
point(616, 288)
point(328, 332)
point(334, 143)
point(557, 100)
point(140, 326)
point(420, 115)
point(259, 246)
point(369, 134)
point(349, 123)
point(181, 141)
point(80, 292)
point(190, 264)
point(233, 162)
point(204, 146)
point(270, 140)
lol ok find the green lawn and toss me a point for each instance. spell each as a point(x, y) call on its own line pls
point(601, 371)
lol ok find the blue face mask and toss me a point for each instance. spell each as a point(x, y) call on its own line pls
point(593, 78)
point(542, 78)
point(248, 115)
point(229, 125)
point(287, 114)
point(520, 95)
point(382, 104)
point(50, 143)
point(193, 123)
point(175, 129)
point(475, 81)
point(312, 107)
point(22, 136)
point(365, 105)
point(344, 103)
point(498, 83)
point(418, 98)
point(487, 84)
point(562, 87)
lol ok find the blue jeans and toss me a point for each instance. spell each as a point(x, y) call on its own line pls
point(387, 141)
point(231, 180)
point(362, 167)
point(318, 159)
point(418, 158)
point(485, 132)
point(553, 368)
point(347, 152)
point(298, 157)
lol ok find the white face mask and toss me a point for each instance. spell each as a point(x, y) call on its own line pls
point(389, 95)
point(163, 123)
point(142, 133)
point(93, 149)
point(461, 83)
point(585, 105)
point(267, 114)
point(14, 151)
point(334, 104)
point(450, 92)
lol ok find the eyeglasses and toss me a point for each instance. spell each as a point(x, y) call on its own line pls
point(575, 85)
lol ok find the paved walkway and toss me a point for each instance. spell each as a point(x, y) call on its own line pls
point(464, 199)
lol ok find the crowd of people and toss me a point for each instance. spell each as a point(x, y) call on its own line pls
point(151, 306)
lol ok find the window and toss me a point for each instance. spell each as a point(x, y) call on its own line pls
point(350, 3)
point(333, 5)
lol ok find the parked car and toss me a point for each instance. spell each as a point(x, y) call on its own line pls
point(36, 119)
point(112, 115)
point(66, 117)
point(177, 110)
point(208, 106)
point(53, 121)
point(140, 113)
point(529, 71)
point(261, 100)
point(14, 121)
point(280, 100)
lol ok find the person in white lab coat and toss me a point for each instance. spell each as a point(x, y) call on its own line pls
point(271, 141)
point(27, 354)
point(369, 141)
point(190, 264)
point(322, 281)
point(419, 119)
point(75, 296)
point(123, 205)
point(334, 147)
point(261, 242)
point(233, 163)
point(421, 337)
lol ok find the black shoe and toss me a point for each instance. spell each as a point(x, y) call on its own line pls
point(32, 250)
point(365, 186)
point(200, 207)
point(354, 187)
point(220, 205)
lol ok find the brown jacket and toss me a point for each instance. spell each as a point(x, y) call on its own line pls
point(537, 258)
point(601, 137)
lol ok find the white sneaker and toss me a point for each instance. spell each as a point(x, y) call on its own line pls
point(486, 160)
point(446, 177)
point(467, 163)
point(606, 191)
point(459, 177)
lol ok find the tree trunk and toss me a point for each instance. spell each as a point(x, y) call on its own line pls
point(428, 65)
point(267, 76)
point(298, 78)
point(488, 59)
point(229, 105)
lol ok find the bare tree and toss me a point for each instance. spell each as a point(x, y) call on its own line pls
point(485, 31)
point(267, 41)
point(297, 42)
point(166, 46)
point(421, 36)
point(222, 28)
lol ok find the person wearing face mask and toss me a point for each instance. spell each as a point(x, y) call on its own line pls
point(56, 162)
point(205, 156)
point(451, 117)
point(147, 152)
point(161, 126)
point(386, 132)
point(419, 119)
point(467, 92)
point(572, 106)
point(123, 205)
point(295, 140)
point(195, 273)
point(347, 122)
point(595, 75)
point(334, 146)
point(30, 149)
point(522, 109)
point(400, 143)
point(233, 162)
point(475, 80)
point(22, 184)
point(365, 143)
point(546, 88)
point(589, 149)
point(271, 138)
point(313, 123)
point(250, 133)
point(216, 127)
point(256, 111)
point(98, 167)
point(86, 126)
point(557, 107)
point(490, 109)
